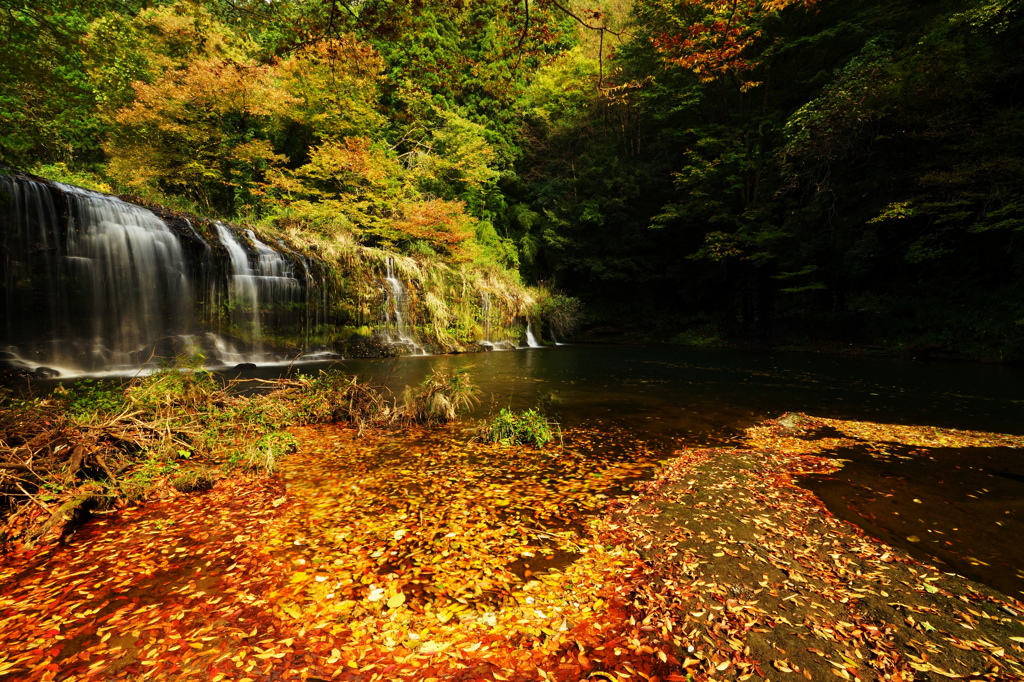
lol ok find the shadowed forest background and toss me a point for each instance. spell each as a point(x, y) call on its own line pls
point(787, 172)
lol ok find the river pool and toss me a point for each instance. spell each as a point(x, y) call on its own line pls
point(962, 508)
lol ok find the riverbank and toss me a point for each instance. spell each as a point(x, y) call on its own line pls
point(396, 555)
point(419, 554)
point(765, 582)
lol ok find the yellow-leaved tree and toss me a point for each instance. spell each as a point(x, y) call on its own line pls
point(200, 116)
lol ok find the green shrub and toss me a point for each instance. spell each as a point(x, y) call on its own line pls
point(561, 313)
point(530, 427)
point(700, 336)
point(90, 400)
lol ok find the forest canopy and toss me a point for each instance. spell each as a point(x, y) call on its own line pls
point(787, 172)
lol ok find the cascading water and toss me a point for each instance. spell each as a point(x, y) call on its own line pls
point(396, 330)
point(485, 313)
point(262, 287)
point(317, 304)
point(93, 284)
point(531, 340)
point(99, 285)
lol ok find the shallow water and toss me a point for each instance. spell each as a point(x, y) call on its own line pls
point(680, 396)
point(227, 578)
point(696, 394)
point(959, 508)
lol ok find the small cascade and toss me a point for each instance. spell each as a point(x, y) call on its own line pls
point(485, 313)
point(396, 330)
point(531, 340)
point(262, 287)
point(317, 304)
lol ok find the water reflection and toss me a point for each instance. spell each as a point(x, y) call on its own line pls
point(696, 393)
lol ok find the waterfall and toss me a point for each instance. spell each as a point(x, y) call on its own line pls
point(262, 288)
point(485, 314)
point(93, 284)
point(104, 286)
point(531, 340)
point(396, 306)
point(243, 294)
point(316, 306)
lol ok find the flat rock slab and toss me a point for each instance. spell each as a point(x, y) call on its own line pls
point(750, 576)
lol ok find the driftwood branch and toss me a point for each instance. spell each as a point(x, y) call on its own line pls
point(63, 514)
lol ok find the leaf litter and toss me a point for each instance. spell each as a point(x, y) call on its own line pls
point(416, 555)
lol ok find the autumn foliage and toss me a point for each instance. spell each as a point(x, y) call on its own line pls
point(713, 38)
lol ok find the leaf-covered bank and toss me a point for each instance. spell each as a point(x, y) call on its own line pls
point(422, 556)
point(760, 580)
point(98, 446)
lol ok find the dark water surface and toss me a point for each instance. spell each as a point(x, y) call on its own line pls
point(960, 508)
point(695, 394)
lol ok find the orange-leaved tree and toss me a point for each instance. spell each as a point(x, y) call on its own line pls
point(193, 111)
point(442, 225)
point(714, 38)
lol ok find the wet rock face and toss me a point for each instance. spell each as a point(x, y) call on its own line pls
point(11, 370)
point(13, 367)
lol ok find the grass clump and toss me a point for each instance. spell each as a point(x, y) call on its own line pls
point(195, 480)
point(529, 427)
point(265, 454)
point(439, 398)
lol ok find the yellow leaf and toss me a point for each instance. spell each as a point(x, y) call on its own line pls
point(396, 601)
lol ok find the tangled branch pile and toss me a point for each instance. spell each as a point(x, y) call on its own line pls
point(97, 445)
